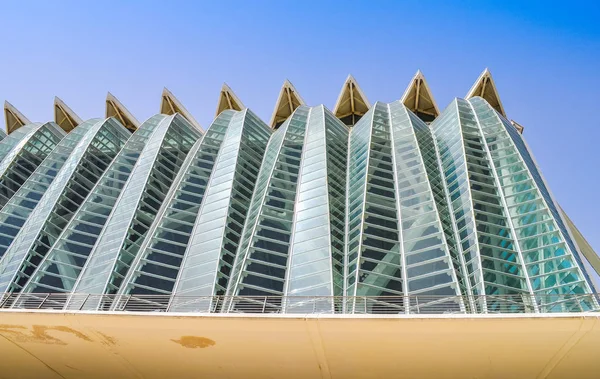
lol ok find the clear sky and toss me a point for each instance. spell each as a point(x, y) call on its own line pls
point(544, 56)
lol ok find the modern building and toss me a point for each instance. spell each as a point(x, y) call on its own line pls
point(376, 240)
point(393, 208)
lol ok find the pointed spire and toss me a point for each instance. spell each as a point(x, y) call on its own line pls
point(64, 116)
point(486, 88)
point(13, 118)
point(352, 103)
point(419, 99)
point(517, 126)
point(287, 102)
point(115, 109)
point(170, 105)
point(228, 100)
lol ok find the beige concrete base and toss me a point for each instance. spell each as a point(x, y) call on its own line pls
point(86, 345)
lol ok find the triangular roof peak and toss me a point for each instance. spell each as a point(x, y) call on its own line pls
point(114, 108)
point(64, 116)
point(485, 87)
point(169, 105)
point(287, 102)
point(520, 128)
point(228, 100)
point(352, 103)
point(13, 118)
point(418, 98)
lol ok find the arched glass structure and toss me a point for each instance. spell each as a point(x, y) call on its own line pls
point(399, 209)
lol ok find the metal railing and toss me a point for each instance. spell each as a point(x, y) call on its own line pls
point(419, 304)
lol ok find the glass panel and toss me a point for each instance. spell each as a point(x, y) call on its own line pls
point(79, 173)
point(215, 238)
point(142, 195)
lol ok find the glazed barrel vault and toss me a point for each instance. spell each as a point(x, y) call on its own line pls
point(370, 208)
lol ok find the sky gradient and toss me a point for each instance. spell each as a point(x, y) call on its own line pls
point(545, 59)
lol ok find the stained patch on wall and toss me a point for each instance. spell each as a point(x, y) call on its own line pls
point(193, 342)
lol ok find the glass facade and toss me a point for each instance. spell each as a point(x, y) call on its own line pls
point(215, 238)
point(62, 265)
point(294, 236)
point(391, 214)
point(136, 207)
point(25, 156)
point(396, 241)
point(18, 208)
point(155, 269)
point(77, 176)
point(552, 265)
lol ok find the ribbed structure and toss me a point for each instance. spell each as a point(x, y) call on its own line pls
point(84, 166)
point(416, 216)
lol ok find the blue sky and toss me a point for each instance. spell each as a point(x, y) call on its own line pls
point(545, 58)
